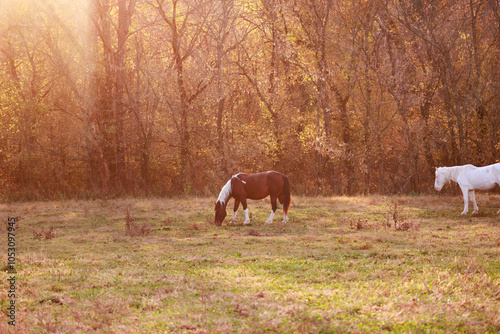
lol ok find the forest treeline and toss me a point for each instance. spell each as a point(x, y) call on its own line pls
point(169, 97)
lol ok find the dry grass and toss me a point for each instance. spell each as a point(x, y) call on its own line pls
point(42, 234)
point(342, 264)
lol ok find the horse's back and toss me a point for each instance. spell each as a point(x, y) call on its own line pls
point(493, 169)
point(267, 177)
point(260, 185)
point(481, 178)
point(275, 180)
point(496, 168)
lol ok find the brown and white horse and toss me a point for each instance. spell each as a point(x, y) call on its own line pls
point(253, 186)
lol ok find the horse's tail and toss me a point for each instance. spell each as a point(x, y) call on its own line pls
point(286, 195)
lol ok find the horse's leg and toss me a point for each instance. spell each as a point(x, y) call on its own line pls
point(498, 182)
point(236, 206)
point(472, 196)
point(465, 192)
point(245, 209)
point(281, 198)
point(273, 206)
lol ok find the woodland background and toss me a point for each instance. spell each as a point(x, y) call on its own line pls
point(104, 98)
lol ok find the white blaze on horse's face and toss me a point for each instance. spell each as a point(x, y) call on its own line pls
point(440, 179)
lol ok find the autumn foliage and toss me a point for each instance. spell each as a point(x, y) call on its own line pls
point(157, 97)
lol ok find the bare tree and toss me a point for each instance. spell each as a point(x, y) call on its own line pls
point(184, 37)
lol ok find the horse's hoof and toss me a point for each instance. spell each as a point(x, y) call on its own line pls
point(246, 222)
point(464, 213)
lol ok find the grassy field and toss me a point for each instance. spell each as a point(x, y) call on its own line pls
point(341, 264)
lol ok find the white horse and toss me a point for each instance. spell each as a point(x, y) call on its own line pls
point(469, 178)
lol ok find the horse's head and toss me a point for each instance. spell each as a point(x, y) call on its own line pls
point(220, 213)
point(441, 178)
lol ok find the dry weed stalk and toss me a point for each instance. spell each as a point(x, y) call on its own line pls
point(359, 225)
point(356, 223)
point(132, 230)
point(400, 223)
point(41, 234)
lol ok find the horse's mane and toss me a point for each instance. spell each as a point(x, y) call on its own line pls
point(225, 193)
point(452, 173)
